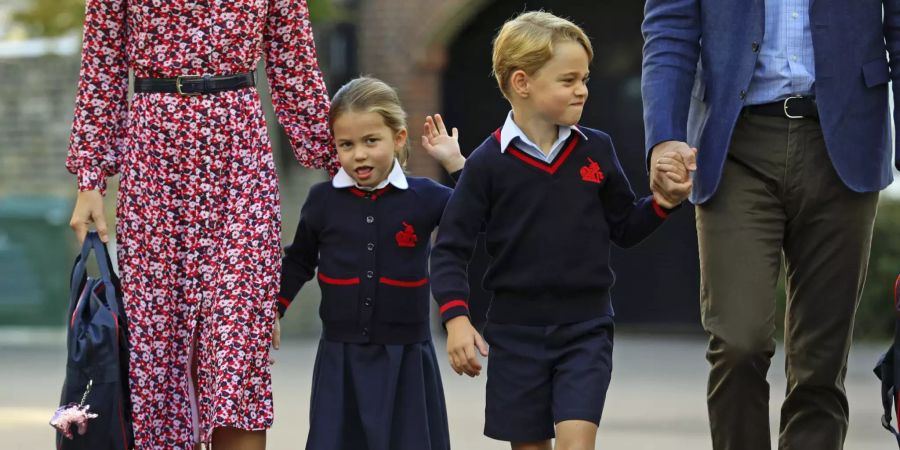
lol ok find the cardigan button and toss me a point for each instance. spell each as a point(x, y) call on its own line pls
point(368, 301)
point(365, 331)
point(370, 274)
point(370, 246)
point(370, 219)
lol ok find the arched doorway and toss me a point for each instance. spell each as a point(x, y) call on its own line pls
point(657, 282)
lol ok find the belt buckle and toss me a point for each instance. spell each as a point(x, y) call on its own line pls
point(786, 113)
point(178, 85)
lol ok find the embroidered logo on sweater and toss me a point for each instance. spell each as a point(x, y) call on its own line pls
point(591, 172)
point(407, 237)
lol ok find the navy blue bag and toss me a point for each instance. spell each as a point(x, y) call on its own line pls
point(887, 371)
point(97, 362)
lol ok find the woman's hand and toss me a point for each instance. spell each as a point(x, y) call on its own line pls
point(89, 211)
point(462, 340)
point(276, 337)
point(442, 146)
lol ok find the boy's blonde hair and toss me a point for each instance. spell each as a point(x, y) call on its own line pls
point(367, 94)
point(526, 43)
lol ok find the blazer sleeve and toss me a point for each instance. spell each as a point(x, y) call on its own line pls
point(672, 32)
point(892, 40)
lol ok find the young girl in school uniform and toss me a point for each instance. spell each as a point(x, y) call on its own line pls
point(376, 383)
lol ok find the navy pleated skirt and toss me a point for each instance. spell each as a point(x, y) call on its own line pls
point(377, 397)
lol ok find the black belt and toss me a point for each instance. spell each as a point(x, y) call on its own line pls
point(796, 107)
point(196, 84)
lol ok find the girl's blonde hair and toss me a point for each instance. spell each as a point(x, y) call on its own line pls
point(526, 43)
point(367, 94)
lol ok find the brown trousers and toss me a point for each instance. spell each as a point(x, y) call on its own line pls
point(780, 197)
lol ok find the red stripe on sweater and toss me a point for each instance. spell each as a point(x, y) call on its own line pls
point(551, 169)
point(453, 304)
point(658, 210)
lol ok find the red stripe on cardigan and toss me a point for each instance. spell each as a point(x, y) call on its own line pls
point(406, 284)
point(338, 281)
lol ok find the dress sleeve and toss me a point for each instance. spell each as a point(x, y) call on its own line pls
point(101, 105)
point(298, 91)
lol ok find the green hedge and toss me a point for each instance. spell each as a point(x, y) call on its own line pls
point(875, 318)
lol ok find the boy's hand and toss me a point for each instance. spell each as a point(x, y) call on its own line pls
point(462, 340)
point(672, 167)
point(442, 146)
point(672, 164)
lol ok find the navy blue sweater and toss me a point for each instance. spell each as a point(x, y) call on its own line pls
point(548, 231)
point(371, 250)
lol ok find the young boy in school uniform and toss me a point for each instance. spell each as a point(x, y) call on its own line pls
point(551, 197)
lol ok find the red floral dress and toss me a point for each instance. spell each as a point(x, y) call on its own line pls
point(198, 224)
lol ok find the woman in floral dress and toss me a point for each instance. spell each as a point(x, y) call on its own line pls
point(198, 220)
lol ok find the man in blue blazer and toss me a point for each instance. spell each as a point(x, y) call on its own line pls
point(786, 102)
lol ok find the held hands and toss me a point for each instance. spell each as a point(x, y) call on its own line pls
point(462, 340)
point(89, 211)
point(671, 164)
point(442, 146)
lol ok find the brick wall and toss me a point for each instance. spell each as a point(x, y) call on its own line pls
point(36, 101)
point(403, 42)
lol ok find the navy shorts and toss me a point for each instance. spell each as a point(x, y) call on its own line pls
point(538, 376)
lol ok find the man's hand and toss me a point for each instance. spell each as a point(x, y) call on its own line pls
point(89, 211)
point(462, 340)
point(442, 146)
point(671, 164)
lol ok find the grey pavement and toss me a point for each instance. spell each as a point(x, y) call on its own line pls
point(656, 400)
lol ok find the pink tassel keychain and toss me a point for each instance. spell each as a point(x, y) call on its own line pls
point(71, 415)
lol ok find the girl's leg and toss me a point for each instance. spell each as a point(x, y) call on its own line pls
point(576, 435)
point(236, 439)
point(538, 445)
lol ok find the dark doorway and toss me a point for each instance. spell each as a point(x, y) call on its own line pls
point(656, 282)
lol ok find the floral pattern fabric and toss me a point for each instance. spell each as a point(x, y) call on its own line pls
point(198, 218)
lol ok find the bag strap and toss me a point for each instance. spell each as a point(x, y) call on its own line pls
point(107, 274)
point(889, 373)
point(92, 243)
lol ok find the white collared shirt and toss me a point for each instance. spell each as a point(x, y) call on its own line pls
point(511, 133)
point(397, 178)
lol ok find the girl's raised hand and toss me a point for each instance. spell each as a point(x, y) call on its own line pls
point(442, 146)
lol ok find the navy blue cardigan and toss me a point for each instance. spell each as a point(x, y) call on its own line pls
point(548, 231)
point(371, 250)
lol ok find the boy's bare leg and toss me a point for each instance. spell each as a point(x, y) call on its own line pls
point(538, 445)
point(575, 435)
